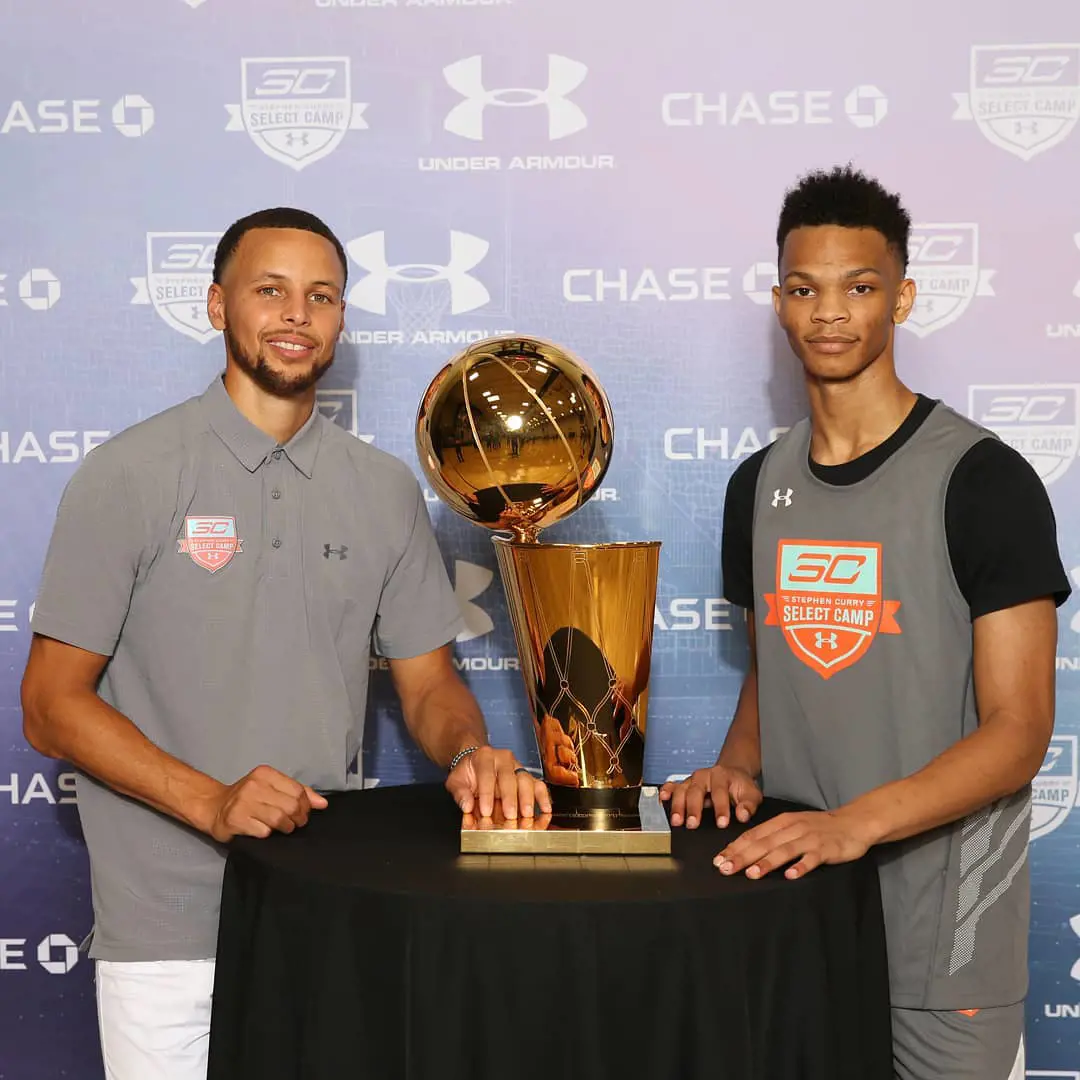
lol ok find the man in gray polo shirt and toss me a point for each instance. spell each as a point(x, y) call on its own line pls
point(201, 637)
point(899, 567)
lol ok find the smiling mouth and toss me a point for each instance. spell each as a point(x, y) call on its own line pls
point(291, 348)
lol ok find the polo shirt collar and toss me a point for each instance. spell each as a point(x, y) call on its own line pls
point(250, 446)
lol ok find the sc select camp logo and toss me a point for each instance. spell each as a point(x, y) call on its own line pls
point(179, 272)
point(296, 109)
point(1039, 420)
point(1024, 99)
point(944, 262)
point(340, 408)
point(1054, 789)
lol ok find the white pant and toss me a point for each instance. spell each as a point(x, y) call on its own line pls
point(154, 1018)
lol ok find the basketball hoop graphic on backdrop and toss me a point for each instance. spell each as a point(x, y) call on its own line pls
point(418, 293)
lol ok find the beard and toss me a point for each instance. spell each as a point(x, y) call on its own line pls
point(279, 383)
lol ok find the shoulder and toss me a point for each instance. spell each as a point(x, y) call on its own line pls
point(992, 470)
point(382, 476)
point(138, 452)
point(742, 484)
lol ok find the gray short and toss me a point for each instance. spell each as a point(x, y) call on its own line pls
point(983, 1045)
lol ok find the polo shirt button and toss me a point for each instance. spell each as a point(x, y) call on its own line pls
point(275, 494)
point(276, 542)
point(277, 455)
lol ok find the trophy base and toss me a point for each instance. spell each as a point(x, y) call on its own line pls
point(582, 831)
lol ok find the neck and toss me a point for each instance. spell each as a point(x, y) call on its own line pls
point(850, 418)
point(280, 418)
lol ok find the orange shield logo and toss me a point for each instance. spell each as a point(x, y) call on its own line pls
point(828, 602)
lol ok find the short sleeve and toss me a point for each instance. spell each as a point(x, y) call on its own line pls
point(737, 542)
point(418, 611)
point(1001, 531)
point(93, 558)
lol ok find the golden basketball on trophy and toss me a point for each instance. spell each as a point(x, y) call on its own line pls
point(515, 434)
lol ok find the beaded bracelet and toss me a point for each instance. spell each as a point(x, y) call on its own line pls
point(461, 755)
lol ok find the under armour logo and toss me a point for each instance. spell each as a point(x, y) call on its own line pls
point(466, 291)
point(822, 639)
point(470, 581)
point(341, 552)
point(292, 138)
point(779, 497)
point(467, 117)
point(1074, 923)
point(1076, 241)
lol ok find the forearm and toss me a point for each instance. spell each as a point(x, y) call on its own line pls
point(742, 746)
point(997, 759)
point(79, 727)
point(444, 720)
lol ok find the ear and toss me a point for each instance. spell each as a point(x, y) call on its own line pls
point(905, 301)
point(215, 306)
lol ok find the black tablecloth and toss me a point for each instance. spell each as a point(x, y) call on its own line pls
point(362, 947)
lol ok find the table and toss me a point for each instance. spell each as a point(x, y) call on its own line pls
point(365, 946)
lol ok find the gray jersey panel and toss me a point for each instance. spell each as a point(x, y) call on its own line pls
point(865, 659)
point(235, 586)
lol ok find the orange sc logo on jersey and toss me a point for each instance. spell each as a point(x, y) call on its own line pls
point(828, 602)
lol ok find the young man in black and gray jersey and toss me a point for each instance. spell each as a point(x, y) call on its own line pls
point(899, 568)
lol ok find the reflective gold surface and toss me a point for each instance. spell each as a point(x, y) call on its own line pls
point(514, 433)
point(583, 620)
point(596, 833)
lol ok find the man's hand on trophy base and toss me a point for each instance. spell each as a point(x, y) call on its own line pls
point(487, 775)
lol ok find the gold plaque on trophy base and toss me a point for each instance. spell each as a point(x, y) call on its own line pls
point(593, 832)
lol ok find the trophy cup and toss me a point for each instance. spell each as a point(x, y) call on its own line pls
point(515, 433)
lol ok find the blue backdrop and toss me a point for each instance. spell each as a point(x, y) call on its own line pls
point(605, 173)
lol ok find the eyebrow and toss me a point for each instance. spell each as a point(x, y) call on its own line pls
point(850, 274)
point(282, 277)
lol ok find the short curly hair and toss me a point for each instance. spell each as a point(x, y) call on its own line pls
point(278, 217)
point(849, 198)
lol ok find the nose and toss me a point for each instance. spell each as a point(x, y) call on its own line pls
point(296, 311)
point(831, 307)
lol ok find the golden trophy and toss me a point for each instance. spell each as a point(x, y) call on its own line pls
point(515, 434)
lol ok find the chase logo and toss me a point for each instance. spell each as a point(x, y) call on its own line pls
point(758, 282)
point(179, 272)
point(1024, 98)
point(1053, 791)
point(1042, 422)
point(132, 115)
point(944, 264)
point(39, 289)
point(296, 109)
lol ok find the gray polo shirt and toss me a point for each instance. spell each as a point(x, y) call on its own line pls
point(236, 586)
